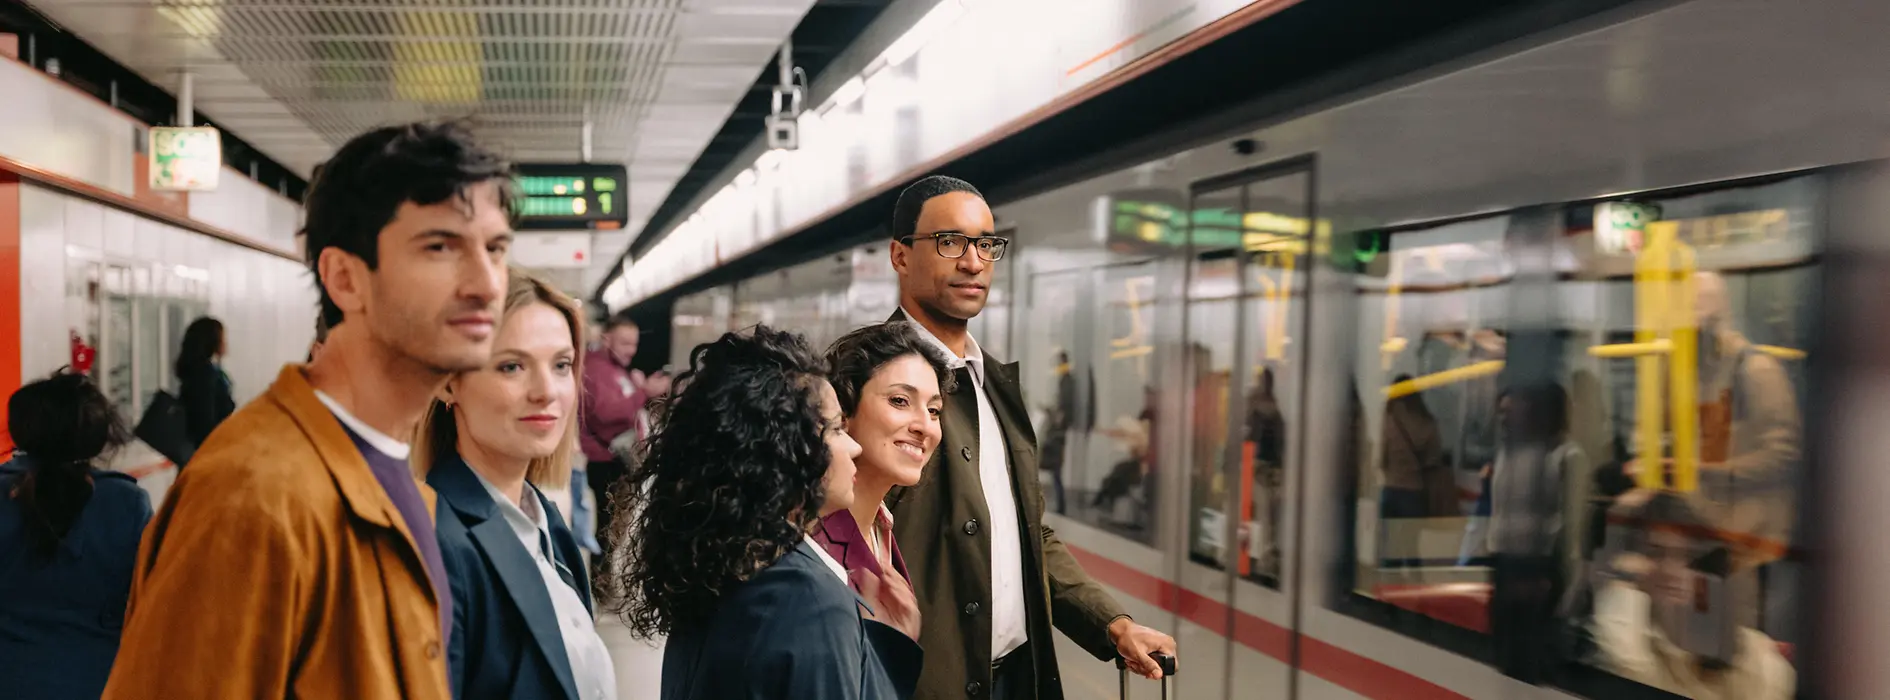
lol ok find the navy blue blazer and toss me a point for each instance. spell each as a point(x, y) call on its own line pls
point(60, 618)
point(793, 632)
point(506, 640)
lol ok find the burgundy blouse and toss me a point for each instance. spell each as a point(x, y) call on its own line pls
point(841, 537)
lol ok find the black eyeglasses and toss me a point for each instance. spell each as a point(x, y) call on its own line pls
point(952, 245)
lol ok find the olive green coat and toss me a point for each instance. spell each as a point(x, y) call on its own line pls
point(940, 524)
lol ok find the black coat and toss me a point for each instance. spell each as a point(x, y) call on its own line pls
point(204, 391)
point(793, 632)
point(506, 640)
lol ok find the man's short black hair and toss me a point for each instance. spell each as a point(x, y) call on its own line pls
point(355, 194)
point(905, 221)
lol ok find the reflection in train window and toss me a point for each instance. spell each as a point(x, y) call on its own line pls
point(1630, 508)
point(1246, 308)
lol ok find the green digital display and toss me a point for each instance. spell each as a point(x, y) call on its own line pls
point(571, 195)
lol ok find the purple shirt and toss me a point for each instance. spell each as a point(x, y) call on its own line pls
point(397, 480)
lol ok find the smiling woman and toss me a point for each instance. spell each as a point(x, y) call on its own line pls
point(891, 384)
point(522, 620)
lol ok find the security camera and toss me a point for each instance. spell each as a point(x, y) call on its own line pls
point(1246, 147)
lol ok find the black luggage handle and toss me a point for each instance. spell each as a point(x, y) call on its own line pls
point(1166, 662)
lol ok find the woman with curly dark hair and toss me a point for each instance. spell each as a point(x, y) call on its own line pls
point(750, 453)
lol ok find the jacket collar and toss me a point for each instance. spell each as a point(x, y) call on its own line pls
point(459, 489)
point(356, 482)
point(973, 351)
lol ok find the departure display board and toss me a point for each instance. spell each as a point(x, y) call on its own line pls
point(572, 195)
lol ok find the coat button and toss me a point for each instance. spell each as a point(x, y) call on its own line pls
point(973, 687)
point(965, 452)
point(971, 526)
point(433, 650)
point(971, 608)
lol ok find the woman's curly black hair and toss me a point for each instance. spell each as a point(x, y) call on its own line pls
point(730, 480)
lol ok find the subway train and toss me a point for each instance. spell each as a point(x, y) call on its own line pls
point(1295, 357)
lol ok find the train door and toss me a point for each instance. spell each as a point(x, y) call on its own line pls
point(1249, 237)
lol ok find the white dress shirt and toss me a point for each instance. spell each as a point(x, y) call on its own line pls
point(1008, 628)
point(591, 667)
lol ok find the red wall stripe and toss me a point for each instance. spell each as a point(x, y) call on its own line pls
point(9, 296)
point(1355, 672)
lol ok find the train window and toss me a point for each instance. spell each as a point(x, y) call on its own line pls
point(1246, 306)
point(1620, 495)
point(1050, 366)
point(1437, 337)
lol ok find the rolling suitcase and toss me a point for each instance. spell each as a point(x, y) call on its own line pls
point(1168, 671)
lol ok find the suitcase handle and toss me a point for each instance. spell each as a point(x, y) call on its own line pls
point(1166, 662)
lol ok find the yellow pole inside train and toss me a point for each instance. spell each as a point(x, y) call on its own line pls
point(1651, 268)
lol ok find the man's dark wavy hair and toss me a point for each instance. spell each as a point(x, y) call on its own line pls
point(355, 194)
point(730, 480)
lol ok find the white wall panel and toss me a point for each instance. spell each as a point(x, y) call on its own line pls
point(244, 206)
point(43, 346)
point(59, 129)
point(265, 302)
point(85, 225)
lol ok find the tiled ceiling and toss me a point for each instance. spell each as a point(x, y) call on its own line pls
point(655, 78)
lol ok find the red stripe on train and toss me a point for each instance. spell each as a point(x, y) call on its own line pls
point(1351, 671)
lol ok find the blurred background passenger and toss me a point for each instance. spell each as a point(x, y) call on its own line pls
point(69, 534)
point(203, 387)
point(1538, 489)
point(1668, 616)
point(522, 624)
point(752, 451)
point(612, 413)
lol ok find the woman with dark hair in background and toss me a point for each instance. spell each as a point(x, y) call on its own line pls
point(1538, 488)
point(68, 540)
point(891, 385)
point(749, 454)
point(203, 388)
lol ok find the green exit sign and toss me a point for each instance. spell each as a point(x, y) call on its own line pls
point(571, 195)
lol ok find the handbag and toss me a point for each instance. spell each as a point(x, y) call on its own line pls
point(165, 429)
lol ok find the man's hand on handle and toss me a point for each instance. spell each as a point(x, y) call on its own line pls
point(893, 602)
point(1135, 642)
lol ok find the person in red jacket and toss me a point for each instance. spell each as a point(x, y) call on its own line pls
point(611, 412)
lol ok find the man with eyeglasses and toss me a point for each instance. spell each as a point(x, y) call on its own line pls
point(989, 573)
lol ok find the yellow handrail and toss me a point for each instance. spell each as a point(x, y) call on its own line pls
point(1437, 379)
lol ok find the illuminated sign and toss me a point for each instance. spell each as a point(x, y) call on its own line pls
point(1144, 222)
point(1620, 227)
point(573, 195)
point(184, 158)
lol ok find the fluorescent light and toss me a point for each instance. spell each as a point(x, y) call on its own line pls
point(848, 91)
point(769, 160)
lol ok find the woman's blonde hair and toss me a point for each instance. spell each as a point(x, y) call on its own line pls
point(437, 436)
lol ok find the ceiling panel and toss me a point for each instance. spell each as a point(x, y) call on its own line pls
point(293, 76)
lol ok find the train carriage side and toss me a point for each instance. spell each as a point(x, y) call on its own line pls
point(1510, 362)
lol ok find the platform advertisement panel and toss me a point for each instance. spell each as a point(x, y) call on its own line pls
point(185, 159)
